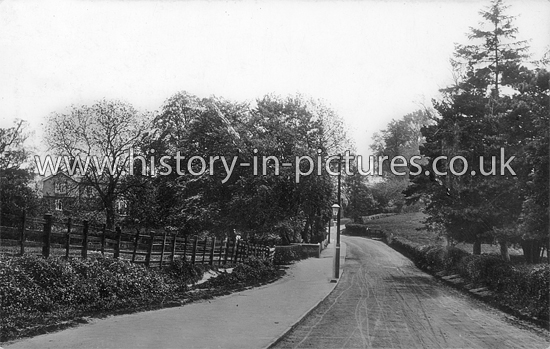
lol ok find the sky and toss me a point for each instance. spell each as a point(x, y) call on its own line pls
point(370, 61)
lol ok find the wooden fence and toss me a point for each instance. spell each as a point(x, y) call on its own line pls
point(70, 239)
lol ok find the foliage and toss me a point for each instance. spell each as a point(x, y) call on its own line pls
point(16, 176)
point(285, 255)
point(108, 131)
point(492, 113)
point(37, 291)
point(401, 139)
point(362, 230)
point(525, 288)
point(244, 200)
point(183, 272)
point(361, 201)
point(252, 271)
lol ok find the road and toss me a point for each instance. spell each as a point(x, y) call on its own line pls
point(384, 301)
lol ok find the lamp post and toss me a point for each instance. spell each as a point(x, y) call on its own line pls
point(336, 209)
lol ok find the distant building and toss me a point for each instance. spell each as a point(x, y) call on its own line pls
point(63, 193)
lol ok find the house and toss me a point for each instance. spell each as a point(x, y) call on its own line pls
point(63, 193)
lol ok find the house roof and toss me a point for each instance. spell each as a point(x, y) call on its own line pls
point(61, 174)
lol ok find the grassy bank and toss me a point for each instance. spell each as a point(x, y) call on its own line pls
point(38, 294)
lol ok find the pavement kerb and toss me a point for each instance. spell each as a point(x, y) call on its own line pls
point(343, 249)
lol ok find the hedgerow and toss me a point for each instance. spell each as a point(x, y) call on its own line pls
point(525, 288)
point(285, 255)
point(36, 291)
point(252, 271)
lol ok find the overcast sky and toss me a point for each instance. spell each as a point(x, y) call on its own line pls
point(371, 61)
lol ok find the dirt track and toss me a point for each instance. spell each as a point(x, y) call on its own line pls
point(384, 301)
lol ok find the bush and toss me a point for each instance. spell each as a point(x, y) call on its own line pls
point(432, 258)
point(37, 291)
point(453, 257)
point(364, 230)
point(357, 229)
point(183, 272)
point(523, 287)
point(252, 271)
point(285, 255)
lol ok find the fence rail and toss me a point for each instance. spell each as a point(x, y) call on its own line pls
point(69, 239)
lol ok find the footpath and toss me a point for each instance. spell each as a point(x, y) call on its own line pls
point(254, 318)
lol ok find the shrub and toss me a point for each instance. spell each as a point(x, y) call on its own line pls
point(184, 272)
point(453, 256)
point(433, 258)
point(252, 271)
point(285, 255)
point(522, 287)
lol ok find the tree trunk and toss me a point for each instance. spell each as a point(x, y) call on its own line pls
point(477, 247)
point(531, 251)
point(305, 231)
point(110, 217)
point(504, 251)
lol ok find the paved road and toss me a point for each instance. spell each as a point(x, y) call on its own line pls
point(384, 301)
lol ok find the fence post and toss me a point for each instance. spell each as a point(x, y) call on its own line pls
point(117, 244)
point(194, 253)
point(103, 233)
point(136, 242)
point(212, 251)
point(220, 255)
point(68, 237)
point(227, 244)
point(22, 236)
point(149, 249)
point(204, 250)
point(85, 239)
point(173, 247)
point(236, 251)
point(47, 234)
point(162, 251)
point(185, 248)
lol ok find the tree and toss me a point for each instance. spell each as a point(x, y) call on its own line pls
point(204, 128)
point(102, 135)
point(16, 174)
point(532, 107)
point(258, 206)
point(494, 58)
point(361, 200)
point(401, 138)
point(476, 120)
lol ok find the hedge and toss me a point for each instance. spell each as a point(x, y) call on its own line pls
point(362, 230)
point(37, 291)
point(525, 288)
point(285, 255)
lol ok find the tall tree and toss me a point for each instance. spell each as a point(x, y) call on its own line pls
point(16, 174)
point(108, 131)
point(494, 56)
point(475, 122)
point(401, 138)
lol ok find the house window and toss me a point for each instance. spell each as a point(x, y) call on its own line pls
point(58, 205)
point(60, 188)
